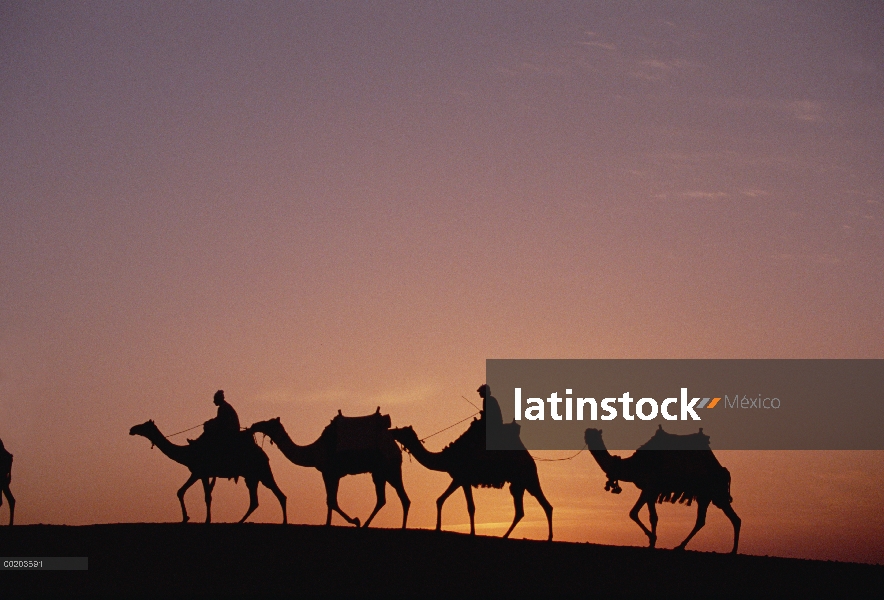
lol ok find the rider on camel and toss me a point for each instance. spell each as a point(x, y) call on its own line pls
point(225, 426)
point(492, 418)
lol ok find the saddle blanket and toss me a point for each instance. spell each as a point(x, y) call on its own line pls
point(362, 433)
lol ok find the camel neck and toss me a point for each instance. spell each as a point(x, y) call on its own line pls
point(304, 456)
point(611, 465)
point(435, 461)
point(177, 453)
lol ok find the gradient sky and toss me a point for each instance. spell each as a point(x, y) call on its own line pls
point(328, 206)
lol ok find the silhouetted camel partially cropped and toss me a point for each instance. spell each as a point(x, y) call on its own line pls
point(5, 478)
point(669, 468)
point(247, 461)
point(383, 461)
point(471, 465)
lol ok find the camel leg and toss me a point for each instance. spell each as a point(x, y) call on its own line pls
point(252, 484)
point(519, 503)
point(633, 514)
point(735, 521)
point(441, 500)
point(11, 499)
point(471, 507)
point(535, 491)
point(270, 483)
point(396, 481)
point(331, 500)
point(702, 506)
point(380, 491)
point(193, 479)
point(207, 490)
point(652, 517)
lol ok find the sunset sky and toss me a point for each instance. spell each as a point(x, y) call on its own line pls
point(323, 206)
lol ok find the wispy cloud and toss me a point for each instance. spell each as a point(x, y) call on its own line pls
point(602, 45)
point(801, 110)
point(805, 110)
point(418, 392)
point(655, 69)
point(700, 195)
point(597, 53)
point(807, 258)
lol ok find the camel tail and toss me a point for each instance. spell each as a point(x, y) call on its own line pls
point(727, 475)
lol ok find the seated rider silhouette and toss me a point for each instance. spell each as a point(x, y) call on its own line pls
point(222, 431)
point(490, 408)
point(491, 416)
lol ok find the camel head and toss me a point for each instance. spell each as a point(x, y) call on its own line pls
point(611, 465)
point(266, 427)
point(147, 429)
point(405, 436)
point(593, 439)
point(270, 427)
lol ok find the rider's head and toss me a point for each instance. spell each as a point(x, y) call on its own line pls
point(219, 397)
point(484, 390)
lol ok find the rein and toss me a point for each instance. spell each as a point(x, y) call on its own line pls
point(449, 427)
point(558, 459)
point(183, 431)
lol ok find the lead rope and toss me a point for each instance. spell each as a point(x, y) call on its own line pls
point(438, 432)
point(183, 431)
point(558, 459)
point(449, 427)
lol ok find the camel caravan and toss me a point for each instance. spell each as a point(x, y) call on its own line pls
point(668, 468)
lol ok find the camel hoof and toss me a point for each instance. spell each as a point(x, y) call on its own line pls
point(679, 548)
point(356, 522)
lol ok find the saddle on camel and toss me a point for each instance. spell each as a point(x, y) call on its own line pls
point(222, 441)
point(471, 446)
point(371, 432)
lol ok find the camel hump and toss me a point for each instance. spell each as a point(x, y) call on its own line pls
point(361, 433)
point(474, 438)
point(670, 441)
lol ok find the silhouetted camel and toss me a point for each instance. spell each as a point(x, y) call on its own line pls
point(5, 478)
point(471, 465)
point(669, 468)
point(384, 463)
point(247, 460)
